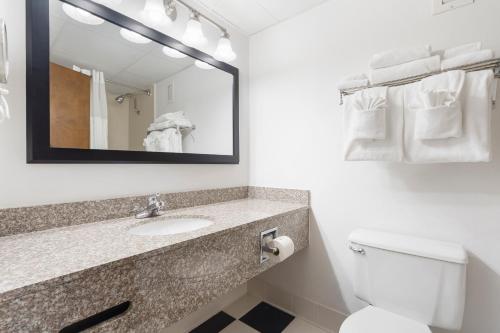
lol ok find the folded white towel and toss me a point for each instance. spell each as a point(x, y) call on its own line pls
point(438, 106)
point(179, 123)
point(462, 49)
point(397, 57)
point(353, 81)
point(167, 141)
point(410, 69)
point(170, 116)
point(467, 59)
point(474, 145)
point(390, 148)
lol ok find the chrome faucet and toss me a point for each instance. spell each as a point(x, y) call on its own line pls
point(154, 208)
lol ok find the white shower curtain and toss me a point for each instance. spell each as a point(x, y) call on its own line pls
point(98, 112)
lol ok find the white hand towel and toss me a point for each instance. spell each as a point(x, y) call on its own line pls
point(439, 107)
point(410, 69)
point(467, 59)
point(353, 81)
point(474, 145)
point(391, 147)
point(397, 57)
point(462, 49)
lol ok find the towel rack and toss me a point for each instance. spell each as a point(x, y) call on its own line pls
point(493, 64)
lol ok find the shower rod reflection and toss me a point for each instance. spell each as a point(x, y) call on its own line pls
point(123, 97)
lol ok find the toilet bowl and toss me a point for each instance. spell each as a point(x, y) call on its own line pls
point(409, 283)
point(375, 320)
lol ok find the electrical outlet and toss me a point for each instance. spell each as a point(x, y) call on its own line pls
point(441, 6)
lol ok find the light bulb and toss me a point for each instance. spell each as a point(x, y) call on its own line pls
point(193, 36)
point(81, 15)
point(154, 13)
point(173, 53)
point(134, 37)
point(203, 65)
point(224, 51)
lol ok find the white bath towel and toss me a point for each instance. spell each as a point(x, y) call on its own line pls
point(410, 69)
point(388, 149)
point(179, 123)
point(474, 145)
point(353, 81)
point(467, 59)
point(167, 141)
point(462, 49)
point(400, 56)
point(438, 105)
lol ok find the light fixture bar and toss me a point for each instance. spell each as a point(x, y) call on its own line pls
point(170, 3)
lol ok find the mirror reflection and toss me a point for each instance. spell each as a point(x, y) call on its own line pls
point(114, 89)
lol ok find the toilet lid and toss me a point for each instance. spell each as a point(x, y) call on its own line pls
point(375, 320)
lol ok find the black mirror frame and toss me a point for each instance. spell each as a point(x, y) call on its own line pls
point(38, 93)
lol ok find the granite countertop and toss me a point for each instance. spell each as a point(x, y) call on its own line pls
point(32, 258)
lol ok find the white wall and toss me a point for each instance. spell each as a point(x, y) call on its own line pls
point(296, 141)
point(22, 184)
point(118, 123)
point(206, 97)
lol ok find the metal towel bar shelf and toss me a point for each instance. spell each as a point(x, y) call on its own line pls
point(493, 64)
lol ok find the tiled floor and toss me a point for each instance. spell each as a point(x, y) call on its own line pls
point(251, 315)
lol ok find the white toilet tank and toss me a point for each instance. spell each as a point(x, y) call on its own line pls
point(418, 278)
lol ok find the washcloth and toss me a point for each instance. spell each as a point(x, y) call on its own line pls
point(353, 81)
point(391, 147)
point(467, 59)
point(438, 106)
point(397, 57)
point(462, 49)
point(474, 145)
point(410, 69)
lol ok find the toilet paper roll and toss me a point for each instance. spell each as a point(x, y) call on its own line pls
point(285, 245)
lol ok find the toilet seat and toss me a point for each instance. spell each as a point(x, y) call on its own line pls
point(375, 320)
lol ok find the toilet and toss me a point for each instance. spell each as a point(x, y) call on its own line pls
point(409, 283)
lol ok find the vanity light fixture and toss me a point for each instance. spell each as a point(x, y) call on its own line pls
point(155, 14)
point(173, 53)
point(193, 36)
point(134, 37)
point(224, 51)
point(81, 15)
point(203, 65)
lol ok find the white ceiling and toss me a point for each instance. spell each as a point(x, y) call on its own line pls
point(102, 48)
point(252, 16)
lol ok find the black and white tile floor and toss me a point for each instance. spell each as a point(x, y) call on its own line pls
point(250, 315)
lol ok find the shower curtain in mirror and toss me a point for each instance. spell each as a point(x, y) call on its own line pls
point(98, 112)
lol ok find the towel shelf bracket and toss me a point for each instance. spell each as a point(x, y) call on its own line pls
point(493, 64)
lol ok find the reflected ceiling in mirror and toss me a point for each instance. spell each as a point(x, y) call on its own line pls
point(114, 89)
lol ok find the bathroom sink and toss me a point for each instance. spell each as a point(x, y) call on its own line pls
point(169, 225)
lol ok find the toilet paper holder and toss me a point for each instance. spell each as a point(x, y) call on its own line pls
point(265, 238)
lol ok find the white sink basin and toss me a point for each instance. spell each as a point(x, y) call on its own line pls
point(170, 226)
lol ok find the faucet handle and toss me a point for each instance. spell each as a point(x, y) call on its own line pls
point(153, 199)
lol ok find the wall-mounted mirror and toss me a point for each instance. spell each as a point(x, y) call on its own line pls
point(123, 92)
